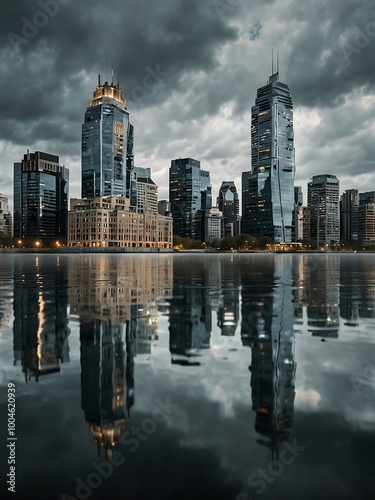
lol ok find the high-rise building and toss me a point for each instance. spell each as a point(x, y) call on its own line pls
point(228, 203)
point(6, 225)
point(366, 224)
point(298, 214)
point(164, 208)
point(306, 224)
point(298, 195)
point(349, 204)
point(323, 198)
point(145, 191)
point(190, 194)
point(41, 191)
point(213, 224)
point(268, 189)
point(366, 218)
point(107, 144)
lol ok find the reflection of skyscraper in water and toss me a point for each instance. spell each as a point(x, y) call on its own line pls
point(323, 280)
point(267, 327)
point(40, 315)
point(351, 288)
point(228, 313)
point(115, 298)
point(146, 326)
point(107, 380)
point(190, 322)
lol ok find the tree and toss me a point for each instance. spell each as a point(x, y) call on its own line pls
point(229, 243)
point(177, 241)
point(263, 241)
point(246, 241)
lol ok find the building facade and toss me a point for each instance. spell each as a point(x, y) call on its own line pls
point(349, 204)
point(228, 203)
point(145, 191)
point(366, 224)
point(268, 189)
point(323, 198)
point(190, 194)
point(110, 222)
point(213, 224)
point(164, 208)
point(41, 193)
point(6, 219)
point(107, 144)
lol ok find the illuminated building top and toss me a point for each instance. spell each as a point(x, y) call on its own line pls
point(108, 94)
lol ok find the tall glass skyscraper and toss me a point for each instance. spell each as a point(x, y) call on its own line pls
point(229, 205)
point(41, 192)
point(268, 189)
point(190, 194)
point(107, 144)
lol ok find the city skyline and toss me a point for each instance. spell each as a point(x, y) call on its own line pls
point(190, 76)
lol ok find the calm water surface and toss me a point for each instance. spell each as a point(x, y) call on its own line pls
point(189, 376)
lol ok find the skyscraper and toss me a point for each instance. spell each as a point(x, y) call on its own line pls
point(107, 144)
point(6, 219)
point(323, 198)
point(349, 205)
point(190, 194)
point(145, 191)
point(268, 189)
point(229, 205)
point(41, 188)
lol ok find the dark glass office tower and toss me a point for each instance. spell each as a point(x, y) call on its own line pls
point(323, 198)
point(107, 144)
point(190, 194)
point(229, 205)
point(41, 191)
point(268, 199)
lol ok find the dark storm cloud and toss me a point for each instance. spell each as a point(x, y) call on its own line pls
point(202, 71)
point(327, 58)
point(41, 78)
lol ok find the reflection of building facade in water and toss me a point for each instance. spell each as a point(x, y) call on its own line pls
point(201, 287)
point(115, 298)
point(40, 315)
point(190, 321)
point(107, 380)
point(357, 291)
point(229, 309)
point(318, 291)
point(267, 327)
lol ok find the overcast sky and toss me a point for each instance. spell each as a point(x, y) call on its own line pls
point(204, 60)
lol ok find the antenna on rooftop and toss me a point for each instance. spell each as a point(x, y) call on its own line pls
point(112, 74)
point(278, 62)
point(272, 62)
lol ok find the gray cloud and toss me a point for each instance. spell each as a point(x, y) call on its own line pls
point(211, 69)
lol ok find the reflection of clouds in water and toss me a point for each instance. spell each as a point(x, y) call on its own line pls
point(363, 420)
point(307, 398)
